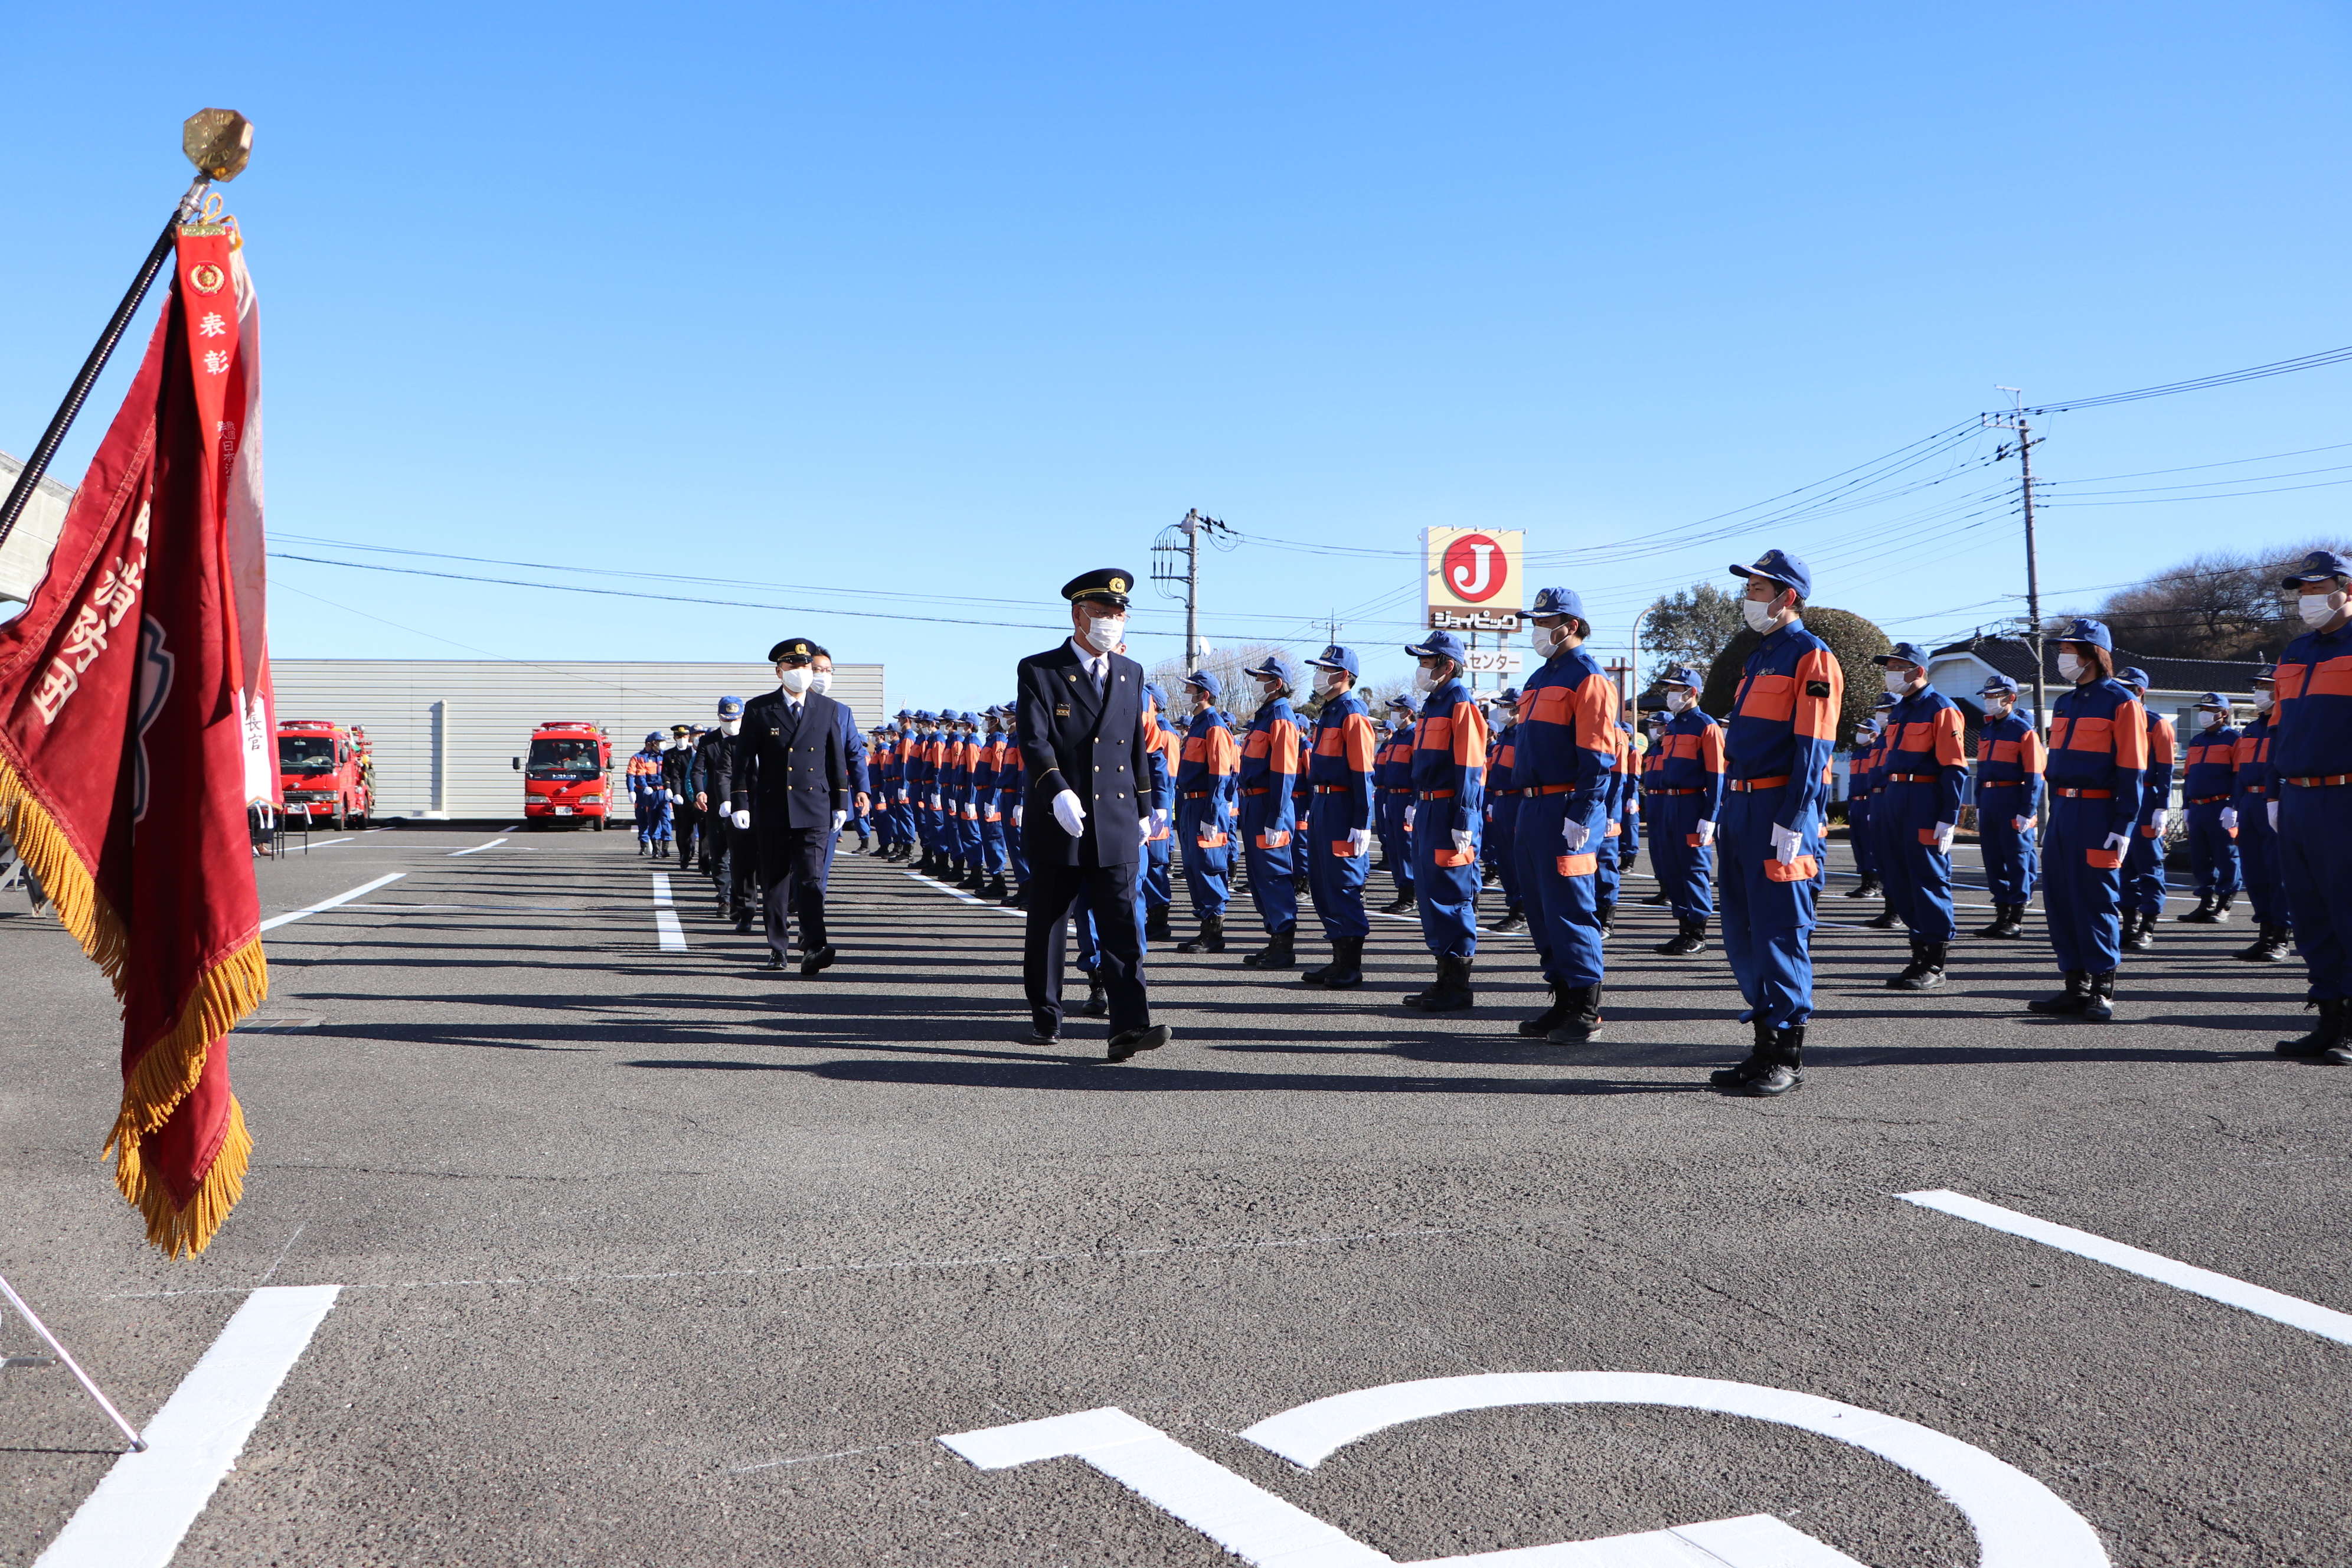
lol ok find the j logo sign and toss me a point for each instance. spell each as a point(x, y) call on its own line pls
point(2018, 1522)
point(1471, 569)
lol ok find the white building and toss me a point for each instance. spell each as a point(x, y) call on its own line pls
point(2174, 685)
point(25, 559)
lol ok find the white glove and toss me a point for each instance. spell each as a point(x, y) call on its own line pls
point(1201, 841)
point(1944, 837)
point(2230, 817)
point(1706, 834)
point(1787, 844)
point(1158, 819)
point(741, 819)
point(2116, 841)
point(1143, 830)
point(676, 798)
point(1462, 840)
point(1573, 834)
point(2157, 820)
point(2272, 807)
point(1070, 813)
point(935, 800)
point(839, 818)
point(902, 798)
point(971, 813)
point(1016, 816)
point(1408, 816)
point(2023, 823)
point(1360, 841)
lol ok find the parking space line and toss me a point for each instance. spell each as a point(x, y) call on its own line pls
point(673, 936)
point(477, 849)
point(324, 842)
point(146, 1504)
point(274, 921)
point(2292, 1310)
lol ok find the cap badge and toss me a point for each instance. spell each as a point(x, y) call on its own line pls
point(1118, 585)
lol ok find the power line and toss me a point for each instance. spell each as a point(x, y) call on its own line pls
point(2198, 384)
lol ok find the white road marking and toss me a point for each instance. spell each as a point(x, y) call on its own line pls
point(274, 921)
point(961, 894)
point(324, 842)
point(2292, 1310)
point(2018, 1522)
point(477, 849)
point(673, 936)
point(146, 1504)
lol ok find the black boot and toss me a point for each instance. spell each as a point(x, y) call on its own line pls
point(1543, 1023)
point(1579, 1016)
point(1758, 1062)
point(1450, 993)
point(2202, 915)
point(2007, 923)
point(1097, 999)
point(2139, 931)
point(2222, 910)
point(1401, 905)
point(1927, 970)
point(2326, 1037)
point(971, 881)
point(2101, 1007)
point(1346, 968)
point(1690, 939)
point(2073, 999)
point(1514, 920)
point(994, 891)
point(644, 848)
point(1156, 927)
point(1887, 919)
point(1212, 938)
point(1786, 1069)
point(1868, 889)
point(1660, 897)
point(1276, 954)
point(2269, 945)
point(1607, 910)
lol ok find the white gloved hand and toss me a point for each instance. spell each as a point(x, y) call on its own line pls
point(1787, 844)
point(1463, 840)
point(1158, 820)
point(1573, 834)
point(2230, 817)
point(2116, 841)
point(2023, 823)
point(1944, 837)
point(1070, 813)
point(1016, 816)
point(676, 798)
point(2157, 820)
point(741, 819)
point(935, 800)
point(971, 813)
point(1143, 830)
point(2271, 807)
point(903, 800)
point(1408, 816)
point(1201, 840)
point(1706, 834)
point(839, 818)
point(1359, 842)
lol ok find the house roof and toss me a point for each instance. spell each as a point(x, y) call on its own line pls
point(2014, 658)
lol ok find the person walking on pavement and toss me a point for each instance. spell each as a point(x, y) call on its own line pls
point(1561, 764)
point(1622, 840)
point(1392, 781)
point(1776, 744)
point(1268, 821)
point(790, 787)
point(2142, 882)
point(1207, 784)
point(2310, 805)
point(1502, 844)
point(1685, 802)
point(2008, 802)
point(1080, 720)
point(1159, 885)
point(2209, 788)
point(2257, 843)
point(649, 797)
point(713, 754)
point(1924, 777)
point(2097, 765)
point(1449, 798)
point(1339, 829)
point(853, 744)
point(678, 781)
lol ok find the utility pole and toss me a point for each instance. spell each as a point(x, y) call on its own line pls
point(1176, 568)
point(2023, 447)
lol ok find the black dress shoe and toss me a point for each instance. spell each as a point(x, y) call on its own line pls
point(821, 959)
point(1127, 1042)
point(775, 959)
point(1044, 1029)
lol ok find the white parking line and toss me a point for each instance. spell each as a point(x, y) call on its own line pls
point(958, 894)
point(139, 1513)
point(324, 842)
point(673, 936)
point(477, 849)
point(274, 921)
point(2293, 1311)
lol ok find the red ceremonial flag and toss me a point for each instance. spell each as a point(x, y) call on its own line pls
point(123, 771)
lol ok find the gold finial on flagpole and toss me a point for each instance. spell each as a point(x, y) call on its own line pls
point(219, 142)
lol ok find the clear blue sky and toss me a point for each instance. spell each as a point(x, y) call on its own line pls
point(920, 309)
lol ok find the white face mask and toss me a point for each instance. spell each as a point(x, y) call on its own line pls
point(1759, 613)
point(796, 681)
point(2069, 668)
point(821, 681)
point(1681, 701)
point(1547, 640)
point(1897, 682)
point(731, 726)
point(1425, 681)
point(2208, 718)
point(1106, 633)
point(1997, 709)
point(1328, 682)
point(2318, 609)
point(2262, 700)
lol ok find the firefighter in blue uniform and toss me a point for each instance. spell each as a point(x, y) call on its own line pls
point(1338, 827)
point(649, 798)
point(1268, 823)
point(919, 791)
point(2143, 885)
point(1563, 764)
point(1159, 880)
point(1923, 778)
point(1776, 744)
point(2257, 844)
point(2209, 788)
point(1651, 726)
point(1864, 757)
point(1608, 871)
point(1207, 777)
point(2097, 766)
point(1685, 800)
point(1302, 803)
point(1392, 786)
point(1888, 917)
point(1449, 799)
point(2009, 802)
point(988, 791)
point(902, 808)
point(1502, 810)
point(1011, 789)
point(2310, 804)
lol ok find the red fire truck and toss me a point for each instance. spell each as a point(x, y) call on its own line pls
point(565, 775)
point(325, 772)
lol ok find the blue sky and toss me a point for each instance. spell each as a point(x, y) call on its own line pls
point(917, 311)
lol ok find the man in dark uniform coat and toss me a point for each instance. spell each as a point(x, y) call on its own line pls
point(1080, 718)
point(790, 785)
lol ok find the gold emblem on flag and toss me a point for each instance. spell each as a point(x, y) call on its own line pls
point(207, 278)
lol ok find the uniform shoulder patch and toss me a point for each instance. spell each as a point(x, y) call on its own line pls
point(1817, 688)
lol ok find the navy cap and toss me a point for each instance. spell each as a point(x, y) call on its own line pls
point(1558, 602)
point(2133, 677)
point(2095, 633)
point(1445, 645)
point(904, 714)
point(1107, 584)
point(921, 716)
point(1510, 694)
point(1886, 700)
point(1337, 657)
point(1206, 682)
point(1683, 675)
point(1868, 728)
point(653, 738)
point(2317, 566)
point(1276, 668)
point(730, 707)
point(1151, 690)
point(794, 648)
point(2267, 672)
point(1998, 685)
point(1908, 652)
point(2214, 699)
point(1402, 703)
point(1780, 567)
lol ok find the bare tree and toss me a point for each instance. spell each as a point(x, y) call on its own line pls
point(2223, 603)
point(1690, 627)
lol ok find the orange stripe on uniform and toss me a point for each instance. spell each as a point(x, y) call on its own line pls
point(1469, 736)
point(1815, 717)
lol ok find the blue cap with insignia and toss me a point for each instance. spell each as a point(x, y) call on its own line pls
point(1558, 602)
point(1402, 703)
point(1780, 566)
point(1998, 685)
point(2082, 630)
point(1509, 695)
point(1337, 657)
point(654, 739)
point(1158, 698)
point(730, 707)
point(1683, 675)
point(1445, 645)
point(2214, 699)
point(1206, 682)
point(1276, 668)
point(2318, 567)
point(1885, 700)
point(1902, 652)
point(2131, 675)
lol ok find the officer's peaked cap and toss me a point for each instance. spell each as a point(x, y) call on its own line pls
point(1780, 567)
point(794, 648)
point(2214, 699)
point(681, 729)
point(1908, 652)
point(2318, 567)
point(1109, 583)
point(1205, 680)
point(1445, 645)
point(2095, 633)
point(1683, 675)
point(1337, 657)
point(730, 707)
point(1276, 668)
point(2134, 676)
point(1997, 684)
point(1558, 602)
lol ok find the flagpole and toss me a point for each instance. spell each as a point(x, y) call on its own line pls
point(217, 141)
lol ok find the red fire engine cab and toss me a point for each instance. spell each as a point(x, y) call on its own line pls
point(325, 772)
point(565, 777)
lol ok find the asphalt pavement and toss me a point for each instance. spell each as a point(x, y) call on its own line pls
point(648, 1255)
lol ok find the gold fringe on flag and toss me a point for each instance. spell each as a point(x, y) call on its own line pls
point(69, 884)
